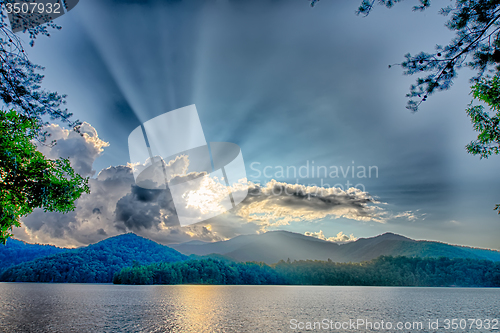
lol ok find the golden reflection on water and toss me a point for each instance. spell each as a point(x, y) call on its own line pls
point(198, 308)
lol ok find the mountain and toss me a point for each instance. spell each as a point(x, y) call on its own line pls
point(274, 244)
point(94, 263)
point(100, 261)
point(282, 245)
point(15, 252)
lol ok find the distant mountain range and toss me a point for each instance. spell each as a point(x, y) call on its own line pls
point(98, 262)
point(282, 245)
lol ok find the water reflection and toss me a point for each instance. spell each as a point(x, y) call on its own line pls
point(109, 308)
point(202, 307)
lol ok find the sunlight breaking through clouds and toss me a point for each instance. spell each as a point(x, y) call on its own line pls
point(340, 238)
point(116, 205)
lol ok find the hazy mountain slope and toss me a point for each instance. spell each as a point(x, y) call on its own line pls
point(274, 246)
point(281, 245)
point(362, 252)
point(482, 253)
point(433, 249)
point(194, 247)
point(16, 252)
point(269, 247)
point(94, 263)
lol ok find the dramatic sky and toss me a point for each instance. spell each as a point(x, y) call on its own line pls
point(293, 86)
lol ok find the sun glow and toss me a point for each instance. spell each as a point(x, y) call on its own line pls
point(208, 197)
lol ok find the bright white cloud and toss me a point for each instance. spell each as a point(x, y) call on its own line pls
point(340, 238)
point(81, 148)
point(409, 215)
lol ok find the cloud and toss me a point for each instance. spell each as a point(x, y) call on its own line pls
point(340, 238)
point(144, 209)
point(229, 225)
point(91, 221)
point(81, 148)
point(279, 203)
point(409, 215)
point(116, 205)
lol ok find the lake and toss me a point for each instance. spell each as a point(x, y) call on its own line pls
point(31, 307)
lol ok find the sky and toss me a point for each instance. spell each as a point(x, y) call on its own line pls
point(295, 87)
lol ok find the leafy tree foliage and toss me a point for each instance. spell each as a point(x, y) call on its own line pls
point(20, 79)
point(476, 45)
point(488, 140)
point(93, 264)
point(29, 180)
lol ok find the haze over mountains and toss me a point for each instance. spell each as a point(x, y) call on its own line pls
point(282, 245)
point(98, 262)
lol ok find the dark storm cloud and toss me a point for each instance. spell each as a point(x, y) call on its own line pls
point(135, 214)
point(142, 208)
point(145, 195)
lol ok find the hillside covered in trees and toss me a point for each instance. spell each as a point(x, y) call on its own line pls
point(130, 259)
point(15, 252)
point(94, 263)
point(383, 271)
point(205, 271)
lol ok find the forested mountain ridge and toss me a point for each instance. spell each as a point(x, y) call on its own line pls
point(99, 262)
point(94, 263)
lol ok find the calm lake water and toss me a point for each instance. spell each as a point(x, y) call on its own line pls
point(26, 307)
